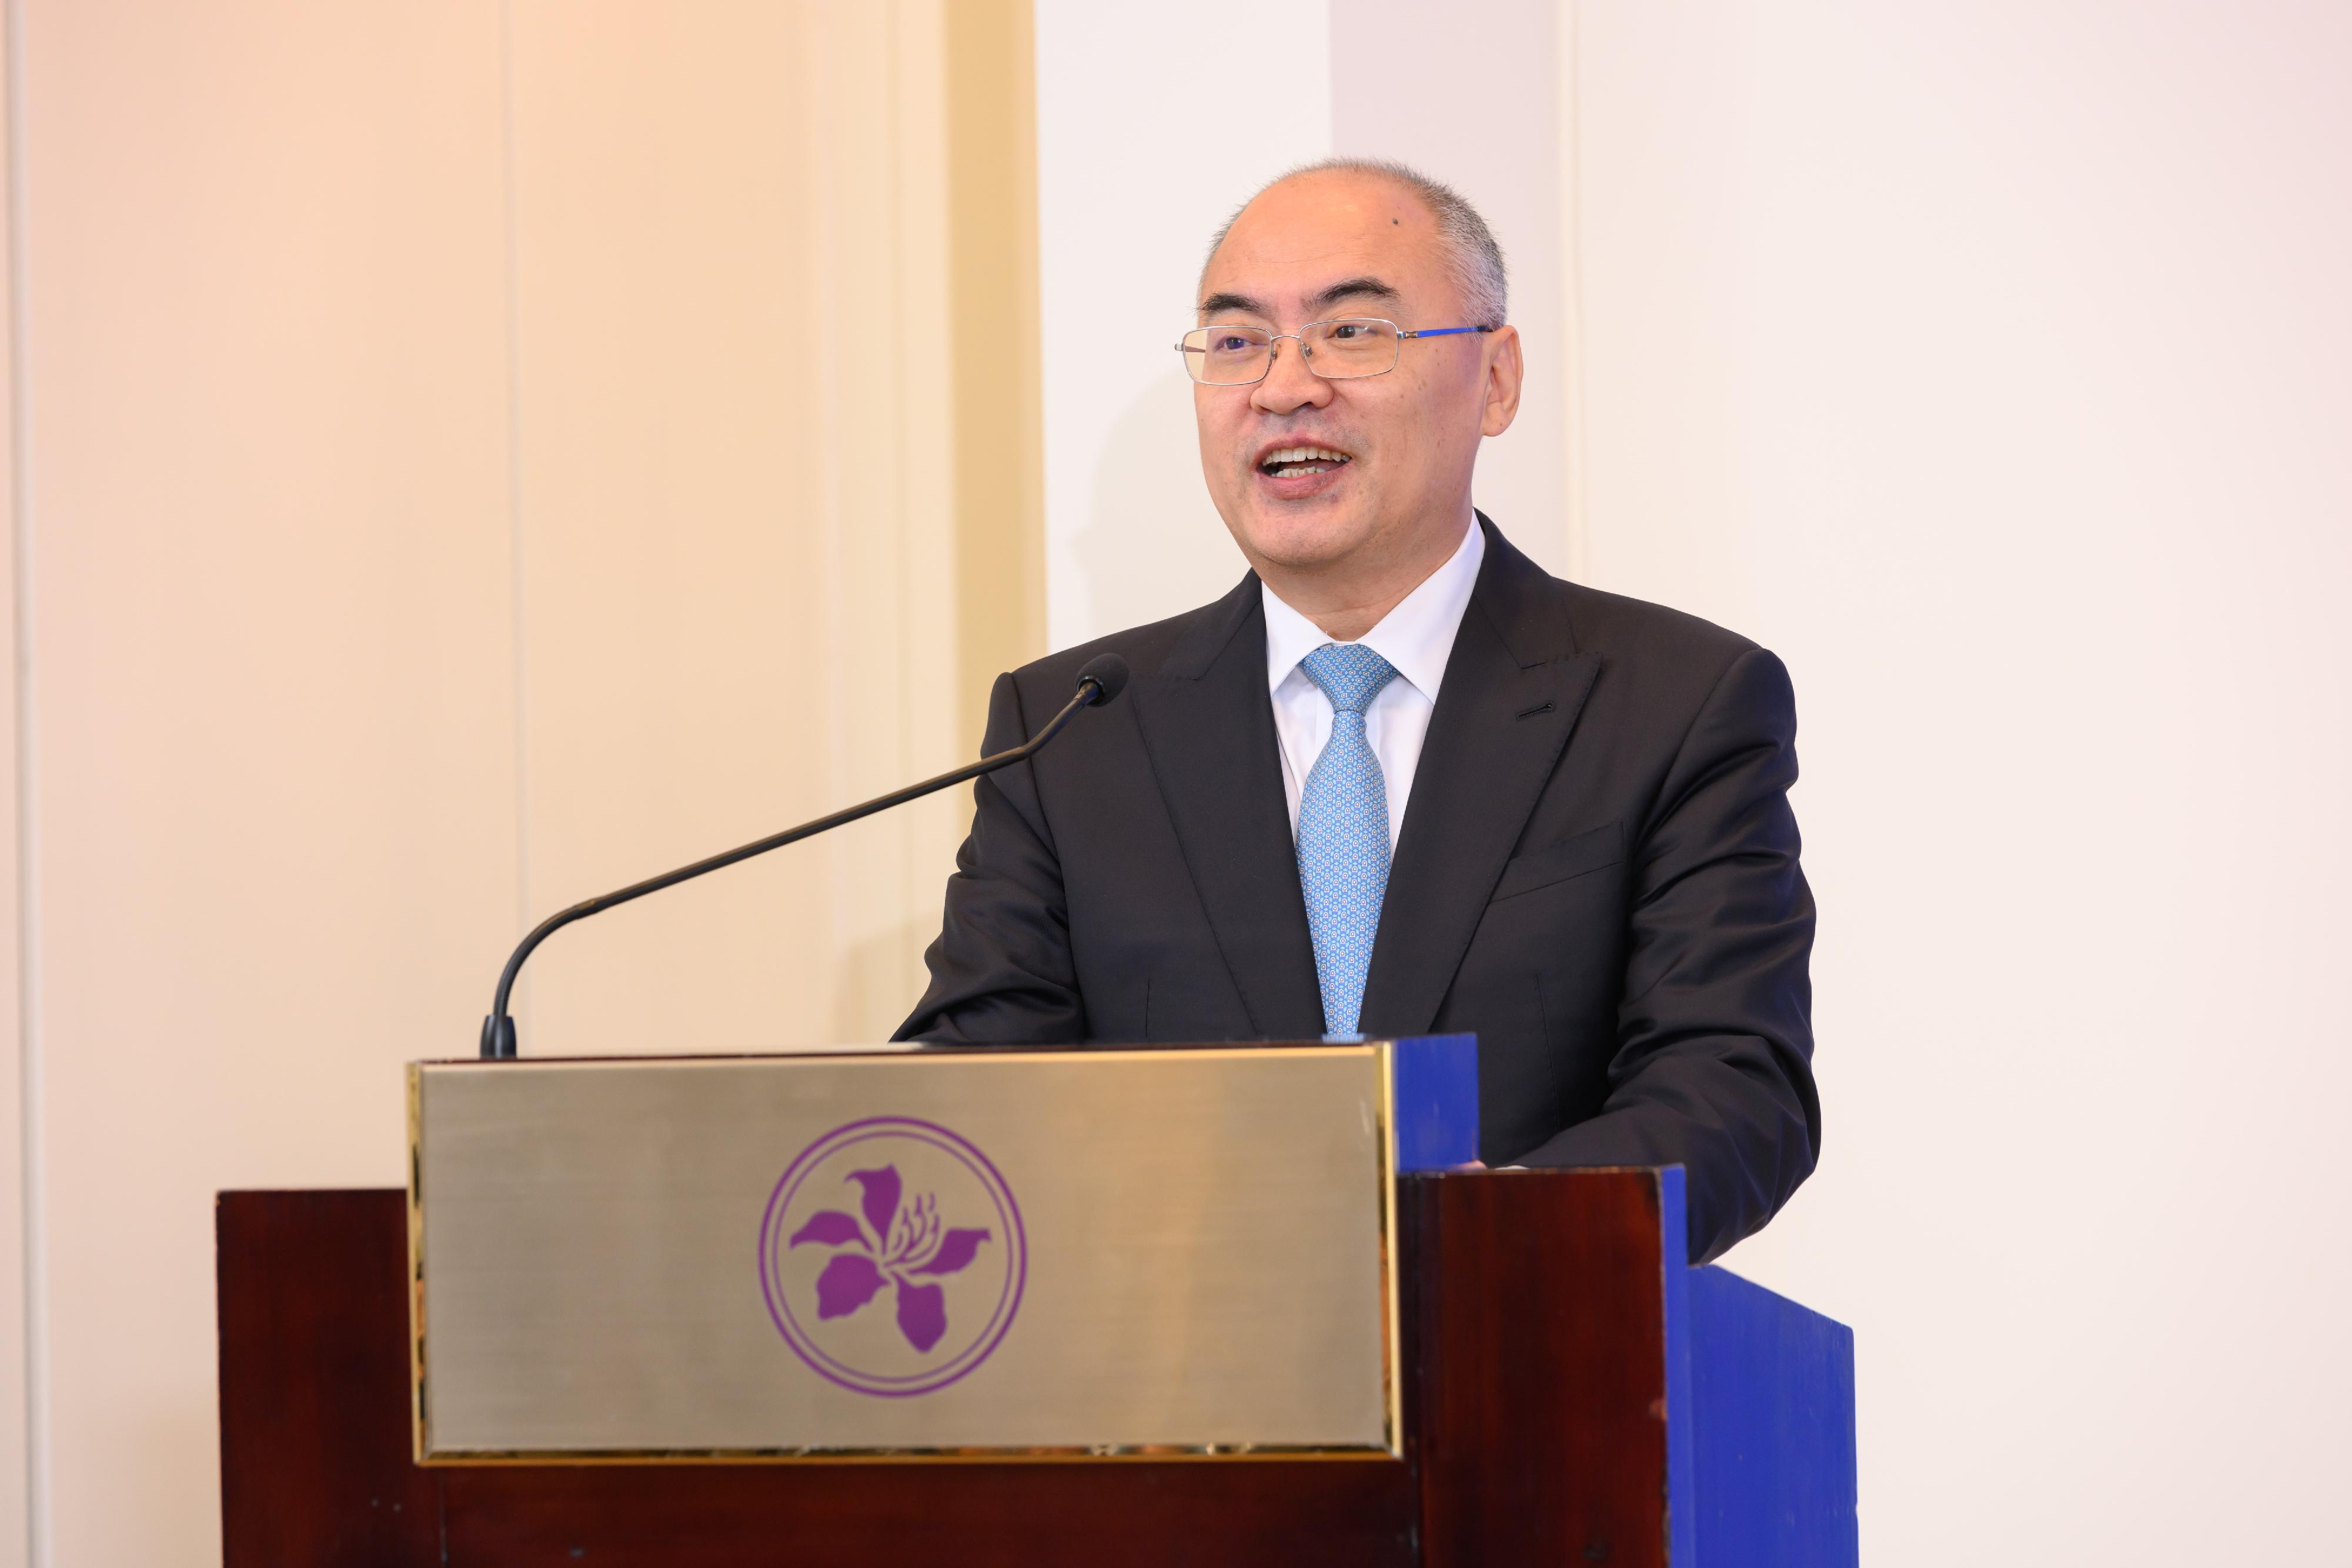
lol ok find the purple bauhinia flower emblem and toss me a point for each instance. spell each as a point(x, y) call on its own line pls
point(887, 1243)
point(821, 1264)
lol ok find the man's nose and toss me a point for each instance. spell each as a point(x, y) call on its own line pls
point(1289, 385)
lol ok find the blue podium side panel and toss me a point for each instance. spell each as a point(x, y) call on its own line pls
point(1682, 1448)
point(1434, 1084)
point(1771, 1401)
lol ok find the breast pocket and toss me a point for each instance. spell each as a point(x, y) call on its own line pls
point(1604, 846)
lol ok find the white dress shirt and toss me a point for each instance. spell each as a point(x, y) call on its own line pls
point(1416, 638)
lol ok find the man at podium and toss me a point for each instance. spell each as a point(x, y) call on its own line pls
point(1401, 780)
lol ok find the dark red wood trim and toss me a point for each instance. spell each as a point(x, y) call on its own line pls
point(1538, 1402)
point(1533, 1333)
point(316, 1467)
point(315, 1464)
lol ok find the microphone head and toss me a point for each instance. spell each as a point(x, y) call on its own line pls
point(1107, 673)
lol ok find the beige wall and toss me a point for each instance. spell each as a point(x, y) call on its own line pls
point(15, 1472)
point(477, 455)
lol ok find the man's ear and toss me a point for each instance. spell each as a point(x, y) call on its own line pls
point(1505, 373)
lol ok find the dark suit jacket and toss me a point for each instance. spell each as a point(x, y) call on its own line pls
point(1596, 875)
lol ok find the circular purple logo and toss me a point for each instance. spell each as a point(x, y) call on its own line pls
point(892, 1255)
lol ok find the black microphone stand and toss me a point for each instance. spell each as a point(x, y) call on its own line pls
point(1101, 682)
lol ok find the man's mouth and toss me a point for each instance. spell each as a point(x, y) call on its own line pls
point(1301, 461)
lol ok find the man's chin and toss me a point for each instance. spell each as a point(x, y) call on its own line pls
point(1303, 543)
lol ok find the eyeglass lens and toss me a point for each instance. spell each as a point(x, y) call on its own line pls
point(1335, 350)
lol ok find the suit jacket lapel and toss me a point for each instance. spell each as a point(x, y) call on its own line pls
point(1208, 726)
point(1514, 685)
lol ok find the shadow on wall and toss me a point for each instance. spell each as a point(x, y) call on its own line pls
point(1153, 545)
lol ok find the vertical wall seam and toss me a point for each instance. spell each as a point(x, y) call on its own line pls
point(818, 93)
point(1571, 293)
point(894, 84)
point(909, 823)
point(510, 207)
point(28, 1012)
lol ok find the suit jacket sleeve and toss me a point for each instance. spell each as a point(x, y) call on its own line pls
point(1713, 1068)
point(1002, 971)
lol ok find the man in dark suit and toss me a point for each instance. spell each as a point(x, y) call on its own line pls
point(1400, 780)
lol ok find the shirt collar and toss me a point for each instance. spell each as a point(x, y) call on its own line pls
point(1416, 637)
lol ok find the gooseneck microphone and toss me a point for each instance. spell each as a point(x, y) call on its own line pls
point(1099, 683)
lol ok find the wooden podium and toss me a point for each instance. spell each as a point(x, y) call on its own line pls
point(1571, 1392)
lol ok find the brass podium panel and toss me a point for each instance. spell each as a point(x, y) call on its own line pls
point(993, 1253)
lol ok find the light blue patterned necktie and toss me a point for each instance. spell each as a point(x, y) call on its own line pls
point(1343, 832)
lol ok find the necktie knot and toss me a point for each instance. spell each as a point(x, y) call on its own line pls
point(1350, 673)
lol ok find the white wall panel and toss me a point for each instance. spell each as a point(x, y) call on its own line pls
point(1147, 142)
point(1470, 94)
point(1154, 122)
point(1988, 361)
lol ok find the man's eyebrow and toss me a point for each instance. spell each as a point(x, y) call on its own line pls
point(1241, 302)
point(1354, 287)
point(1347, 289)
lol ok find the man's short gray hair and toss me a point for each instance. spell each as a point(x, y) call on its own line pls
point(1472, 256)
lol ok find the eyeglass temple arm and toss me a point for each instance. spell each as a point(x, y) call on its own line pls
point(1184, 348)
